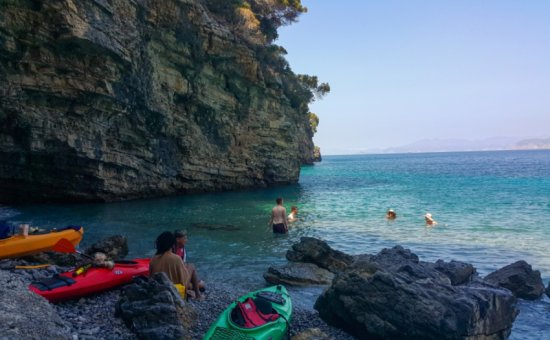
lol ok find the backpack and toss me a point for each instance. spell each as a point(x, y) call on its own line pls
point(4, 230)
point(253, 313)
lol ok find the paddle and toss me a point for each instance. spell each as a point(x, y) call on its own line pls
point(37, 266)
point(65, 246)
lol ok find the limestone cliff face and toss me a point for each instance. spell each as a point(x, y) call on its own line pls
point(105, 100)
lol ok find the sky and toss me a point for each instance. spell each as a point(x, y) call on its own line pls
point(403, 71)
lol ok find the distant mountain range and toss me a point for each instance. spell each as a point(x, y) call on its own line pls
point(450, 145)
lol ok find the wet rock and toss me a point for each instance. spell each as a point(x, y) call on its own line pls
point(397, 296)
point(153, 309)
point(115, 247)
point(26, 315)
point(312, 250)
point(520, 279)
point(458, 272)
point(548, 289)
point(298, 274)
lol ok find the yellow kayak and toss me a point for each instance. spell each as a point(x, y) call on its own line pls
point(19, 245)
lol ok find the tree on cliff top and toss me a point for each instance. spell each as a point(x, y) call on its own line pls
point(269, 15)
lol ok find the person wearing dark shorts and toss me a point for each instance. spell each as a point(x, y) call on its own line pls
point(279, 220)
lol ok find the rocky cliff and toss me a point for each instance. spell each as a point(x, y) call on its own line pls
point(105, 100)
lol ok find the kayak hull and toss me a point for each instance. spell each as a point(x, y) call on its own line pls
point(94, 280)
point(19, 245)
point(225, 328)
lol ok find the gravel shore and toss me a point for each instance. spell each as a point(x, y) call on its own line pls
point(93, 317)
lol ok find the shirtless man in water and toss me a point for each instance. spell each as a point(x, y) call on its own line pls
point(279, 220)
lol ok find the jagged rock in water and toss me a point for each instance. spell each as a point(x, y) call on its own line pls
point(458, 272)
point(153, 309)
point(520, 279)
point(298, 274)
point(395, 296)
point(548, 290)
point(115, 247)
point(312, 250)
point(111, 100)
point(26, 315)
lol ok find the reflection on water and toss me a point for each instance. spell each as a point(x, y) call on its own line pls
point(493, 209)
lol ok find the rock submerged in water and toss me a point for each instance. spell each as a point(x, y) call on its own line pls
point(520, 279)
point(396, 296)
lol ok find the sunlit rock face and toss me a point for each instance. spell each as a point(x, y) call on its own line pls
point(117, 99)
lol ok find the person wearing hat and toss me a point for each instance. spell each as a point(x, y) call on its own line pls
point(391, 215)
point(429, 220)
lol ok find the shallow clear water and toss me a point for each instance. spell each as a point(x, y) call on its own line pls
point(493, 209)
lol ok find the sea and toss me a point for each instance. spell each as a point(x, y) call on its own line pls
point(492, 209)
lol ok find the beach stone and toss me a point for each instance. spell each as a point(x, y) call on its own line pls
point(312, 250)
point(458, 272)
point(312, 334)
point(153, 309)
point(396, 296)
point(520, 279)
point(55, 258)
point(548, 290)
point(298, 274)
point(26, 315)
point(115, 247)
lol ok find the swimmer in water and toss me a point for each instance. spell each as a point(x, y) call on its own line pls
point(429, 220)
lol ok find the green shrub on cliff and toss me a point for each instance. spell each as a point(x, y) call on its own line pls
point(269, 14)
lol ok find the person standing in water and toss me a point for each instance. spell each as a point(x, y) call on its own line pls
point(293, 212)
point(279, 221)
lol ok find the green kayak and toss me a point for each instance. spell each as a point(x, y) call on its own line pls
point(263, 314)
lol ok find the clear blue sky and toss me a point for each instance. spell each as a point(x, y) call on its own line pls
point(401, 71)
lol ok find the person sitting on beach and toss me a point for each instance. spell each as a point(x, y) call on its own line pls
point(391, 215)
point(293, 212)
point(166, 261)
point(429, 220)
point(179, 249)
point(279, 220)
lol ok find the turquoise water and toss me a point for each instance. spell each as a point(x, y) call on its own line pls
point(493, 209)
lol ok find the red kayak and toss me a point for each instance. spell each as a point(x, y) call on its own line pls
point(66, 286)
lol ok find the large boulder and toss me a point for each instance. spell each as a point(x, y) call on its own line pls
point(298, 274)
point(153, 309)
point(115, 247)
point(26, 315)
point(396, 296)
point(520, 278)
point(318, 252)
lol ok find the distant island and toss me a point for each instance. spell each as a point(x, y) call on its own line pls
point(452, 145)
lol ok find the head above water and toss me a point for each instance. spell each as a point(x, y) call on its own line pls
point(428, 217)
point(165, 242)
